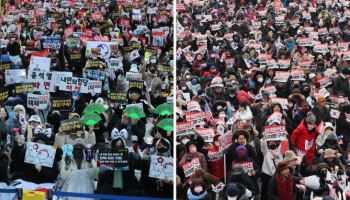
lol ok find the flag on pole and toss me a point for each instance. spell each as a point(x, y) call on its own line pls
point(208, 114)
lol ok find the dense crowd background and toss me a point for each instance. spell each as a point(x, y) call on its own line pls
point(129, 64)
point(262, 99)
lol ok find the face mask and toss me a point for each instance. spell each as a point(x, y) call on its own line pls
point(193, 150)
point(222, 115)
point(216, 143)
point(184, 141)
point(323, 174)
point(242, 154)
point(260, 80)
point(183, 88)
point(272, 146)
point(153, 61)
point(188, 77)
point(162, 150)
point(310, 127)
point(327, 132)
point(198, 189)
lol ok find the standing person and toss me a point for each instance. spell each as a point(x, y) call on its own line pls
point(304, 138)
point(282, 184)
point(341, 83)
point(215, 159)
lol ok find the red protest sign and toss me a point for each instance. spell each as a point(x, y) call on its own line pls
point(275, 132)
point(248, 167)
point(206, 133)
point(225, 140)
point(189, 167)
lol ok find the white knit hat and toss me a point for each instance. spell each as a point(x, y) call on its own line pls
point(216, 82)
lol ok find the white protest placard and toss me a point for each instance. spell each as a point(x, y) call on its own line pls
point(343, 46)
point(264, 57)
point(93, 87)
point(215, 27)
point(268, 89)
point(322, 31)
point(191, 166)
point(274, 118)
point(321, 48)
point(105, 48)
point(40, 63)
point(312, 182)
point(248, 166)
point(133, 76)
point(334, 30)
point(346, 55)
point(335, 113)
point(197, 117)
point(41, 80)
point(116, 63)
point(193, 106)
point(284, 63)
point(282, 101)
point(206, 133)
point(281, 76)
point(271, 64)
point(309, 29)
point(339, 99)
point(37, 100)
point(225, 140)
point(275, 132)
point(325, 81)
point(214, 156)
point(297, 75)
point(184, 128)
point(305, 42)
point(279, 20)
point(56, 78)
point(71, 84)
point(323, 92)
point(41, 154)
point(15, 76)
point(305, 63)
point(161, 167)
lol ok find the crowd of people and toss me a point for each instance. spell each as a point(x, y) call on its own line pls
point(86, 96)
point(262, 99)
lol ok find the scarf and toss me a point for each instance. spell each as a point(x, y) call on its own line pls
point(285, 186)
point(118, 179)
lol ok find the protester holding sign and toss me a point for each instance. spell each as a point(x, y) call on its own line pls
point(82, 74)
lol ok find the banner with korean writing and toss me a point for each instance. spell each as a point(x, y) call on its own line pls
point(71, 84)
point(115, 158)
point(23, 88)
point(137, 84)
point(184, 128)
point(4, 65)
point(72, 126)
point(4, 94)
point(206, 133)
point(248, 167)
point(52, 42)
point(275, 132)
point(225, 140)
point(61, 103)
point(41, 80)
point(117, 97)
point(189, 167)
point(281, 76)
point(40, 63)
point(36, 100)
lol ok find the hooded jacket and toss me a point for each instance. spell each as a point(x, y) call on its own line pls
point(153, 186)
point(304, 141)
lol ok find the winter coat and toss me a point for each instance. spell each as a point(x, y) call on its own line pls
point(215, 162)
point(243, 96)
point(153, 186)
point(17, 157)
point(244, 180)
point(324, 115)
point(245, 115)
point(273, 187)
point(340, 86)
point(343, 127)
point(78, 180)
point(301, 136)
point(231, 153)
point(270, 162)
point(189, 156)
